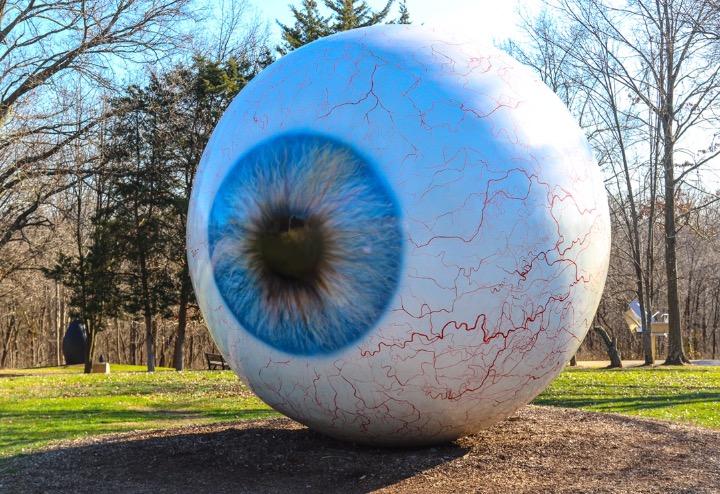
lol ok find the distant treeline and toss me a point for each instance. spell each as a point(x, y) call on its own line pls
point(95, 174)
point(95, 178)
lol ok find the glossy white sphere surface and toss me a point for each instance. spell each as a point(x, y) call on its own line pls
point(458, 236)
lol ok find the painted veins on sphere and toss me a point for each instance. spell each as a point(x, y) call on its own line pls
point(419, 245)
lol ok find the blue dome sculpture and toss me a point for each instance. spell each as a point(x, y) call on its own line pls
point(74, 343)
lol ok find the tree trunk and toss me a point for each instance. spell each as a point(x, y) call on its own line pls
point(191, 352)
point(634, 233)
point(716, 320)
point(612, 349)
point(133, 342)
point(676, 353)
point(149, 346)
point(648, 348)
point(573, 361)
point(62, 318)
point(182, 319)
point(118, 354)
point(56, 323)
point(147, 310)
point(89, 347)
point(7, 344)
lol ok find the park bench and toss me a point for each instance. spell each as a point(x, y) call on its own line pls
point(216, 361)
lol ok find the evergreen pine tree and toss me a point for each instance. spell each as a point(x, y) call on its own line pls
point(200, 94)
point(344, 15)
point(351, 14)
point(309, 26)
point(140, 152)
point(404, 14)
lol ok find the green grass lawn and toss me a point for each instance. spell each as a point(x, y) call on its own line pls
point(39, 406)
point(75, 369)
point(681, 394)
point(64, 403)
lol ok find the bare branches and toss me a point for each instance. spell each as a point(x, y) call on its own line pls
point(43, 40)
point(648, 74)
point(56, 56)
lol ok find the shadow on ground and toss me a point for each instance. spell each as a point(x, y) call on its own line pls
point(634, 402)
point(277, 455)
point(20, 428)
point(540, 449)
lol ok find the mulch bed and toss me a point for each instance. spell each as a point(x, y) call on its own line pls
point(540, 449)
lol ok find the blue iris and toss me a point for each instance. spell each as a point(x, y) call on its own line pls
point(306, 244)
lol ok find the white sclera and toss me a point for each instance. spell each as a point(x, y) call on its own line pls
point(506, 233)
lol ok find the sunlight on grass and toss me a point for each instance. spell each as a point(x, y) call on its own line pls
point(76, 369)
point(681, 394)
point(36, 410)
point(39, 406)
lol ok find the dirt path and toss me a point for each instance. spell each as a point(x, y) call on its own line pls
point(540, 449)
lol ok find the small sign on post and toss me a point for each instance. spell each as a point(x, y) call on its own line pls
point(101, 368)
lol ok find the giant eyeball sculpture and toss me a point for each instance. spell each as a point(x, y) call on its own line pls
point(397, 238)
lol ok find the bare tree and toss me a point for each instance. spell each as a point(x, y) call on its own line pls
point(578, 69)
point(46, 47)
point(660, 57)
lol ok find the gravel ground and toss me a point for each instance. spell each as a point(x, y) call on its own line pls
point(540, 449)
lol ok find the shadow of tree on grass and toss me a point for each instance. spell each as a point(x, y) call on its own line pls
point(631, 403)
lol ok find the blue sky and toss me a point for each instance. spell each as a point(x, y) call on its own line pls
point(472, 19)
point(475, 20)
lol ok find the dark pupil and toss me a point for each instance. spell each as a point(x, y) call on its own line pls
point(291, 247)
